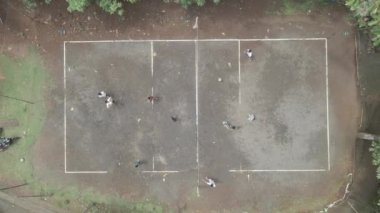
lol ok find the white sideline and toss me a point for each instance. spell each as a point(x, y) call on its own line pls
point(64, 103)
point(196, 41)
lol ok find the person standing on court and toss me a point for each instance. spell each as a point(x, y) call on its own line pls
point(249, 54)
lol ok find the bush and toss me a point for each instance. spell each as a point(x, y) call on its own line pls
point(77, 5)
point(367, 13)
point(186, 3)
point(111, 6)
point(30, 4)
point(375, 149)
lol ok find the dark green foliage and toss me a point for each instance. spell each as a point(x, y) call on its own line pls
point(30, 4)
point(367, 13)
point(186, 3)
point(110, 6)
point(77, 5)
point(375, 149)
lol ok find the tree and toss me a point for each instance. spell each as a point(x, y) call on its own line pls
point(375, 149)
point(110, 6)
point(367, 13)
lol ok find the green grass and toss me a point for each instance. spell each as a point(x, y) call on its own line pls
point(292, 7)
point(24, 79)
point(72, 199)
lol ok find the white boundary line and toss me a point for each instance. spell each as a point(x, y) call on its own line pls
point(183, 40)
point(327, 106)
point(276, 170)
point(65, 124)
point(239, 72)
point(196, 67)
point(64, 103)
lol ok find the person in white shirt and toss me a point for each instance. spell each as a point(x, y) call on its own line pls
point(249, 54)
point(210, 182)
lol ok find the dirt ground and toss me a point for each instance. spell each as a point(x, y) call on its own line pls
point(51, 25)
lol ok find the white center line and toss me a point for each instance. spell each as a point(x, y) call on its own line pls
point(327, 106)
point(197, 108)
point(152, 67)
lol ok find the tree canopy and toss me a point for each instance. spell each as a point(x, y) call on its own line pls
point(111, 6)
point(367, 13)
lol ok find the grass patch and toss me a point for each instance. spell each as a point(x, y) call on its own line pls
point(23, 79)
point(292, 7)
point(74, 200)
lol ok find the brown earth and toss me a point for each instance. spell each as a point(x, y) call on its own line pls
point(50, 25)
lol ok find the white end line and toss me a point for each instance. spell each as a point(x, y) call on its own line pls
point(239, 74)
point(64, 104)
point(277, 170)
point(327, 106)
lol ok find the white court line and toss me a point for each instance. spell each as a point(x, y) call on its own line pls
point(239, 74)
point(64, 103)
point(64, 122)
point(327, 106)
point(276, 170)
point(151, 57)
point(197, 109)
point(163, 171)
point(86, 172)
point(184, 40)
point(152, 67)
point(153, 163)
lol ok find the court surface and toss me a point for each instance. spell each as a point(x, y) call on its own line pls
point(285, 87)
